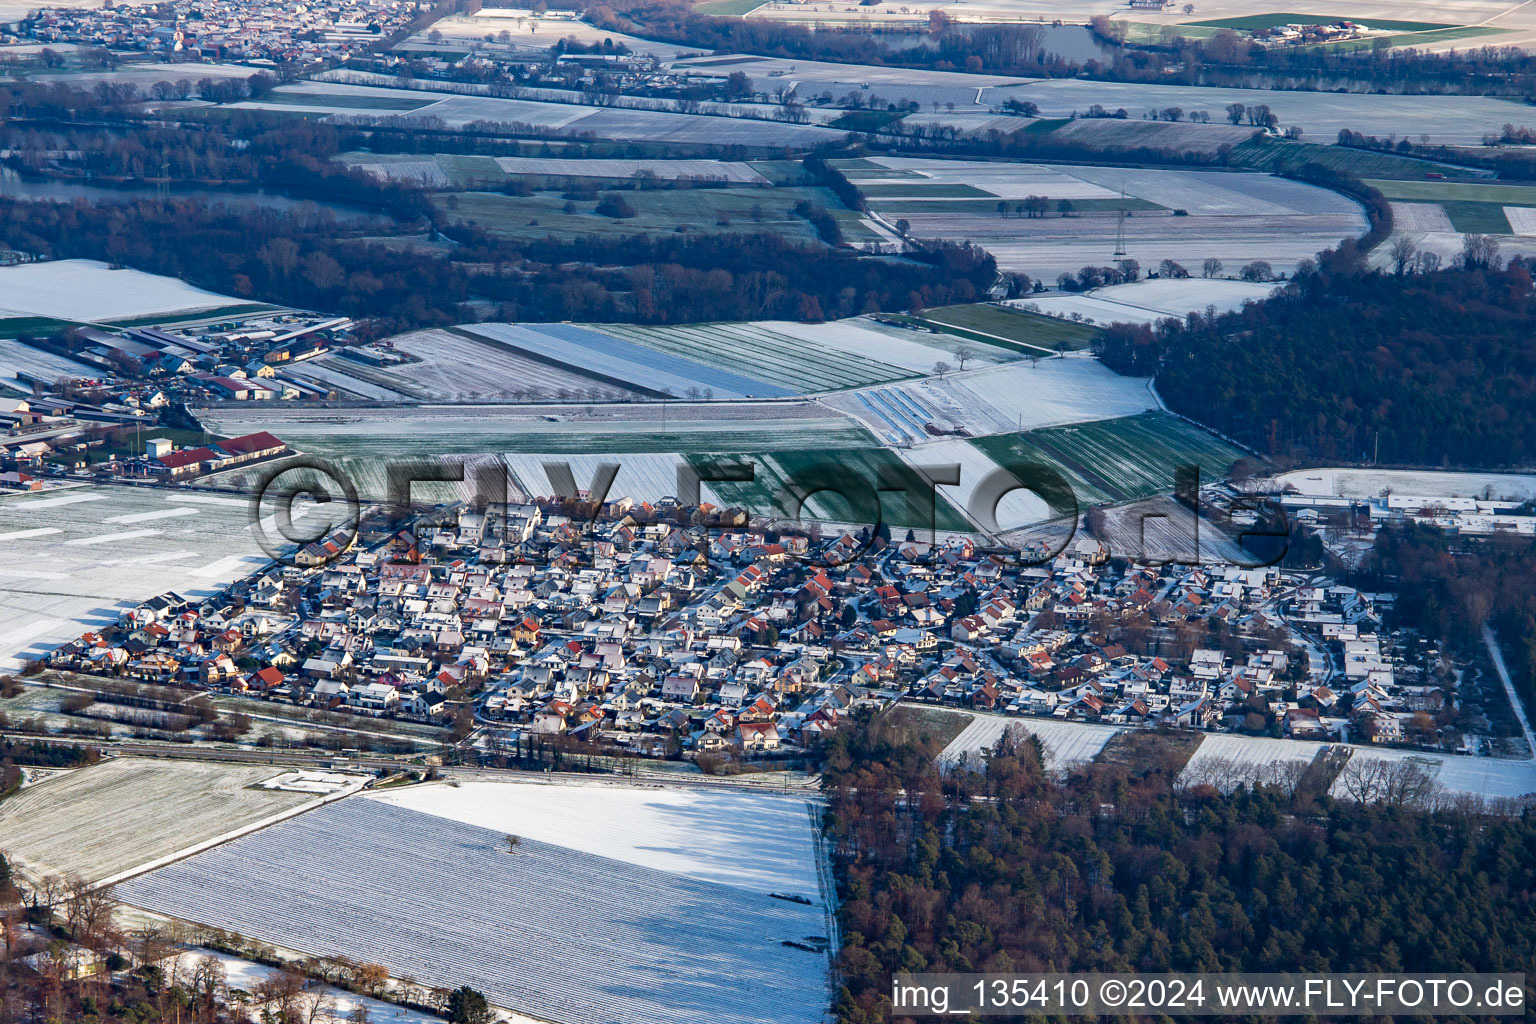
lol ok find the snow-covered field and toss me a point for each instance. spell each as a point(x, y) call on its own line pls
point(457, 111)
point(88, 290)
point(816, 357)
point(1370, 483)
point(16, 357)
point(1013, 396)
point(1488, 777)
point(760, 841)
point(561, 934)
point(454, 367)
point(124, 813)
point(608, 357)
point(1420, 217)
point(73, 561)
point(421, 173)
point(667, 170)
point(1522, 219)
point(1067, 744)
point(1224, 760)
point(1147, 301)
point(643, 477)
point(1016, 508)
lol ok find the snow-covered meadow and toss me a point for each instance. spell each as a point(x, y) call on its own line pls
point(1067, 744)
point(760, 841)
point(74, 560)
point(89, 290)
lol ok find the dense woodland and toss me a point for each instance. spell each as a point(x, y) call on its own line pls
point(1427, 369)
point(1006, 870)
point(1448, 588)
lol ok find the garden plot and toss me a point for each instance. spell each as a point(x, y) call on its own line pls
point(1067, 744)
point(760, 841)
point(18, 358)
point(1145, 302)
point(666, 170)
point(770, 352)
point(611, 360)
point(1420, 217)
point(62, 576)
point(447, 903)
point(126, 813)
point(85, 290)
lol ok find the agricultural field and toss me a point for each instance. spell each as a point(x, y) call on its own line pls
point(1067, 744)
point(689, 832)
point(1257, 21)
point(781, 354)
point(72, 560)
point(1118, 460)
point(1372, 483)
point(619, 124)
point(835, 485)
point(1179, 137)
point(1490, 778)
point(126, 813)
point(1226, 760)
point(16, 357)
point(1462, 207)
point(613, 361)
point(458, 366)
point(997, 399)
point(1235, 217)
point(665, 210)
point(1145, 302)
point(641, 945)
point(1015, 509)
point(665, 170)
point(1013, 327)
point(1454, 120)
point(81, 291)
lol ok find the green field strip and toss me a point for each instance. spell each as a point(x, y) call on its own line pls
point(1443, 191)
point(1035, 330)
point(938, 190)
point(1477, 218)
